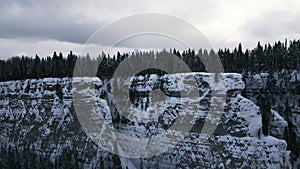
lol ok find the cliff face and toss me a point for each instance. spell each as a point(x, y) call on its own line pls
point(39, 128)
point(236, 142)
point(283, 92)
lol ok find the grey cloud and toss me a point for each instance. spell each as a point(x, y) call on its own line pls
point(60, 30)
point(273, 24)
point(67, 21)
point(163, 30)
point(42, 21)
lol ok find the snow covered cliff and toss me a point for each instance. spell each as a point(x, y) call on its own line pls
point(282, 88)
point(39, 128)
point(236, 142)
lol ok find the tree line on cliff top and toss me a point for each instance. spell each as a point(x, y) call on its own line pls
point(267, 58)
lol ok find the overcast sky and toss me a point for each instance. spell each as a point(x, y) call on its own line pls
point(40, 27)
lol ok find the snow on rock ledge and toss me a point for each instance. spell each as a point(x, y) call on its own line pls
point(237, 141)
point(227, 89)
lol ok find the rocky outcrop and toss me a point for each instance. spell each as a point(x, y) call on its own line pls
point(237, 140)
point(39, 127)
point(277, 126)
point(282, 89)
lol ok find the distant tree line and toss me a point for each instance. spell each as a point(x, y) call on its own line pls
point(265, 58)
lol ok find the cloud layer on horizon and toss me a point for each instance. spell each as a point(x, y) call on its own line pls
point(29, 27)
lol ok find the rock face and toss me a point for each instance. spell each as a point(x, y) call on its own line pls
point(40, 129)
point(278, 126)
point(238, 116)
point(237, 140)
point(285, 99)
